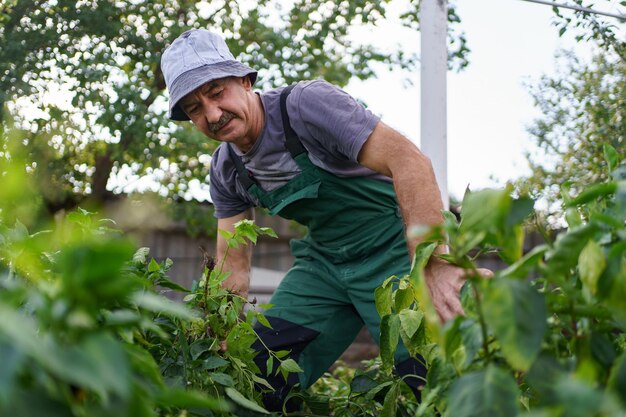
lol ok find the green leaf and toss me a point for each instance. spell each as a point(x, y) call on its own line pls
point(222, 379)
point(267, 231)
point(166, 283)
point(263, 320)
point(162, 305)
point(98, 363)
point(602, 349)
point(452, 340)
point(511, 242)
point(591, 264)
point(517, 315)
point(573, 217)
point(226, 234)
point(121, 317)
point(141, 255)
point(522, 267)
point(92, 271)
point(200, 346)
point(289, 365)
point(617, 378)
point(492, 392)
point(567, 248)
point(472, 338)
point(12, 360)
point(390, 405)
point(450, 220)
point(140, 358)
point(318, 404)
point(374, 391)
point(611, 156)
point(543, 377)
point(423, 252)
point(579, 399)
point(36, 402)
point(362, 383)
point(214, 362)
point(167, 264)
point(153, 266)
point(239, 399)
point(269, 365)
point(403, 298)
point(410, 321)
point(281, 353)
point(475, 217)
point(440, 374)
point(383, 300)
point(520, 209)
point(592, 193)
point(180, 398)
point(261, 381)
point(389, 334)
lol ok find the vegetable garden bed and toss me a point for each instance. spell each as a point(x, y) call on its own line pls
point(85, 332)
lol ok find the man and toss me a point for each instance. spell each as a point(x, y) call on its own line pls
point(313, 154)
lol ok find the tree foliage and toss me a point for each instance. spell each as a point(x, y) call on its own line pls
point(583, 108)
point(82, 79)
point(591, 27)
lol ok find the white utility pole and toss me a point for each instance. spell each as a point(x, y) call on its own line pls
point(434, 68)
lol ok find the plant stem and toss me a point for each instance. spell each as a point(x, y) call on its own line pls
point(481, 318)
point(263, 343)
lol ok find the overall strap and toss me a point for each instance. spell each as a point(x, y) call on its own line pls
point(292, 142)
point(245, 177)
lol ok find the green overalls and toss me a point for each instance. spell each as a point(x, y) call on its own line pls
point(355, 241)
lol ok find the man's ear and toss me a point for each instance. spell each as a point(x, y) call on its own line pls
point(246, 82)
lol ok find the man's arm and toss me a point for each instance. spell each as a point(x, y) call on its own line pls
point(390, 153)
point(236, 260)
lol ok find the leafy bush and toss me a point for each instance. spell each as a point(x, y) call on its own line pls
point(73, 310)
point(550, 345)
point(84, 331)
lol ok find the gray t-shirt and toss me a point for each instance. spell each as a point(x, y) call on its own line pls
point(331, 125)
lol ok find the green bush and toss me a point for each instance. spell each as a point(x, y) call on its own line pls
point(85, 331)
point(543, 337)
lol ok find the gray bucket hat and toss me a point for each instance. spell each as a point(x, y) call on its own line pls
point(193, 59)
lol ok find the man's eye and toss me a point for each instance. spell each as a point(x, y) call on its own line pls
point(217, 93)
point(192, 110)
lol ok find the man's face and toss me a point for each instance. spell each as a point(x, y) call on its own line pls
point(222, 110)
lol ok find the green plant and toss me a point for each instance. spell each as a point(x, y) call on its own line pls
point(213, 352)
point(72, 311)
point(364, 392)
point(543, 337)
point(85, 331)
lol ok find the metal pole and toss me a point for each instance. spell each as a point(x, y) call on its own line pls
point(434, 67)
point(578, 8)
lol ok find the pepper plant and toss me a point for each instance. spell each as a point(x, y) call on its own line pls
point(545, 336)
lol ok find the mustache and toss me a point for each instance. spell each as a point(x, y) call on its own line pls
point(226, 117)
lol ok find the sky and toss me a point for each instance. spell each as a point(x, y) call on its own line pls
point(512, 42)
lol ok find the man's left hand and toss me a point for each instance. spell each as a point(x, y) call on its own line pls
point(444, 282)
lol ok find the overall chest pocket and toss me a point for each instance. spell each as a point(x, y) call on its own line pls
point(278, 201)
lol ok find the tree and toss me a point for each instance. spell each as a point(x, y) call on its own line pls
point(105, 122)
point(590, 27)
point(583, 107)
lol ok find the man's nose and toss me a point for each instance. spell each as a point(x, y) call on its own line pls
point(212, 112)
